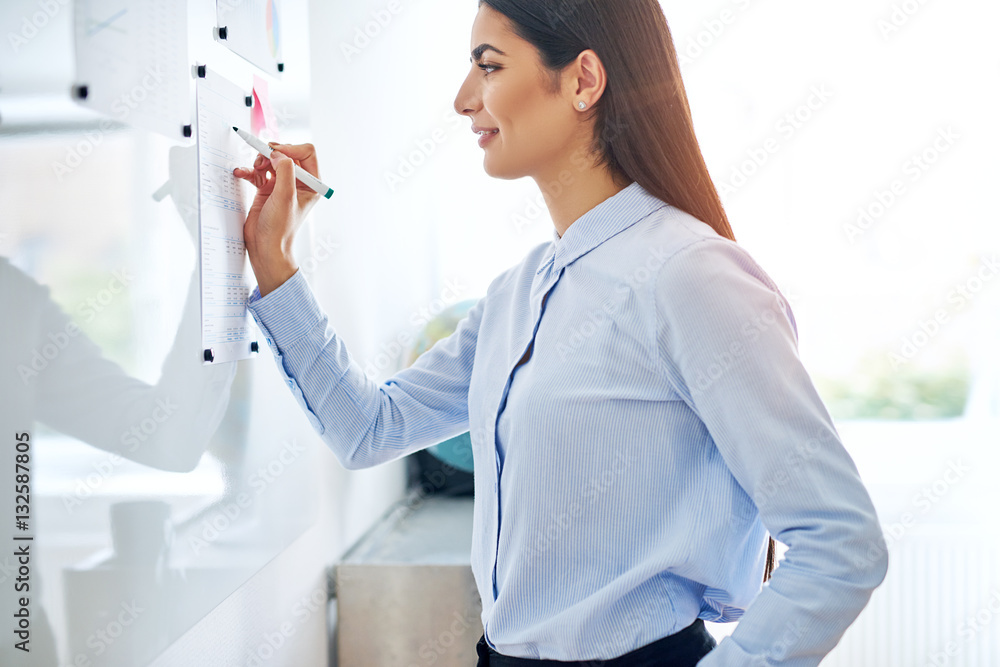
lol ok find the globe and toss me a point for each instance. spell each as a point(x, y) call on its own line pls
point(456, 451)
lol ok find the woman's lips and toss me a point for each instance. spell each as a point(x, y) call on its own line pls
point(486, 138)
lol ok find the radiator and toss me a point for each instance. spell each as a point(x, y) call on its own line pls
point(939, 605)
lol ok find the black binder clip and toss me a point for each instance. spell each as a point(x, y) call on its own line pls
point(209, 356)
point(254, 347)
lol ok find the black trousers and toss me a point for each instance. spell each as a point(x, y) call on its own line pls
point(681, 649)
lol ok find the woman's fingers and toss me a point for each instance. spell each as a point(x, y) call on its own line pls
point(304, 154)
point(261, 163)
point(245, 174)
point(284, 185)
point(258, 177)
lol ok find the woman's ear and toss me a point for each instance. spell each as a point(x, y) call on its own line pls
point(588, 78)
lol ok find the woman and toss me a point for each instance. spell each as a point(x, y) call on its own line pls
point(639, 415)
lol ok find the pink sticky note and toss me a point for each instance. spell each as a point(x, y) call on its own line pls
point(262, 119)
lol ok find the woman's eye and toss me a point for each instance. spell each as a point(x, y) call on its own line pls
point(484, 67)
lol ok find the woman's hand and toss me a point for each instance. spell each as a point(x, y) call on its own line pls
point(280, 205)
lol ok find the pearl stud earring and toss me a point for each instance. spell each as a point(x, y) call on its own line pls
point(582, 105)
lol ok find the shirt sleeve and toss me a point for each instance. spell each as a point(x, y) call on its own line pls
point(364, 422)
point(728, 344)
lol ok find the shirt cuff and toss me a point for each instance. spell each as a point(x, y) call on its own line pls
point(287, 314)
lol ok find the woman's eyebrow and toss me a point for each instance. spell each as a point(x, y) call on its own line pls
point(477, 53)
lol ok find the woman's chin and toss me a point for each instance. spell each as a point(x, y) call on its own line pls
point(497, 170)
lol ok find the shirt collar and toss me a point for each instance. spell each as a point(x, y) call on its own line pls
point(600, 223)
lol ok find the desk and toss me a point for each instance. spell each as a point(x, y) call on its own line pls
point(405, 592)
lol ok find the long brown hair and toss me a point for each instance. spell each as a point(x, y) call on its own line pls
point(642, 123)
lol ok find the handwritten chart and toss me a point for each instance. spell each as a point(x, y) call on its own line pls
point(227, 330)
point(132, 62)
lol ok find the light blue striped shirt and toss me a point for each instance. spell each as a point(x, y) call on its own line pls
point(627, 472)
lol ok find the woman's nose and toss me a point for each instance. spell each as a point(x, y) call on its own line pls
point(466, 100)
